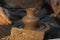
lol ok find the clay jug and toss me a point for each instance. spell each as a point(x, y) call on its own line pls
point(30, 20)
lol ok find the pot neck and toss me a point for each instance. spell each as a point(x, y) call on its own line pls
point(31, 11)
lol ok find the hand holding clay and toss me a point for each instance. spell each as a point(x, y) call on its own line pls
point(3, 18)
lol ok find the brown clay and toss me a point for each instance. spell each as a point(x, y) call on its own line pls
point(26, 34)
point(30, 20)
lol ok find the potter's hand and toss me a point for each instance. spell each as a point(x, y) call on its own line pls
point(55, 7)
point(3, 18)
point(53, 15)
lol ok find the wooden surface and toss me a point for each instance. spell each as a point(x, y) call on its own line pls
point(24, 34)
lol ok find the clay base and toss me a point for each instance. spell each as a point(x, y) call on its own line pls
point(24, 34)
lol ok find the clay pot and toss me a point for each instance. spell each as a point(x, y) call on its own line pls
point(30, 20)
